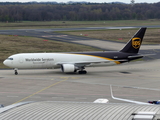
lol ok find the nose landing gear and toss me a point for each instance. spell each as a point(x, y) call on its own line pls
point(16, 71)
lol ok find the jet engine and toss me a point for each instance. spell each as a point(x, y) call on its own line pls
point(67, 68)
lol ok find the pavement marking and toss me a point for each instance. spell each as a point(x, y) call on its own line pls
point(64, 79)
point(75, 77)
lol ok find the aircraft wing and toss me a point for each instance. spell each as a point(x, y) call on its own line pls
point(90, 62)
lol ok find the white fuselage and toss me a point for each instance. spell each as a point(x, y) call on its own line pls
point(53, 60)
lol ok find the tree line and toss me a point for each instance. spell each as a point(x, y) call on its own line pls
point(78, 12)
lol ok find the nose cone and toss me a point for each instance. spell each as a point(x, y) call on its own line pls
point(6, 63)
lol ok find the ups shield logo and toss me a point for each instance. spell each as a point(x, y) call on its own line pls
point(136, 42)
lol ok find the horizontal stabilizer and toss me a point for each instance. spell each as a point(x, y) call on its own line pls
point(136, 56)
point(141, 55)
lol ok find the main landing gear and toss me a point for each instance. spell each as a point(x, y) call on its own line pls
point(82, 71)
point(16, 71)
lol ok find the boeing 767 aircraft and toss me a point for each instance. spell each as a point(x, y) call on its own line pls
point(77, 61)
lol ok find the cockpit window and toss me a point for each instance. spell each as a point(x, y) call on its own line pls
point(9, 58)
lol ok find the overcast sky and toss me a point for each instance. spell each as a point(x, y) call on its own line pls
point(96, 1)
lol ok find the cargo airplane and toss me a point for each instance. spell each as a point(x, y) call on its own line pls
point(77, 61)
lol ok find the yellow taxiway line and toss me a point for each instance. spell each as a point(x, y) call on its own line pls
point(64, 79)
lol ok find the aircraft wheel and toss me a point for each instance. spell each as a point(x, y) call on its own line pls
point(16, 73)
point(82, 72)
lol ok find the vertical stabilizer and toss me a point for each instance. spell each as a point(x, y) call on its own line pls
point(134, 43)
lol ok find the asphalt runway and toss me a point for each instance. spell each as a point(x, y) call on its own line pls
point(136, 81)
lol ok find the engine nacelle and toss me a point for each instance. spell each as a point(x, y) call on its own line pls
point(67, 68)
